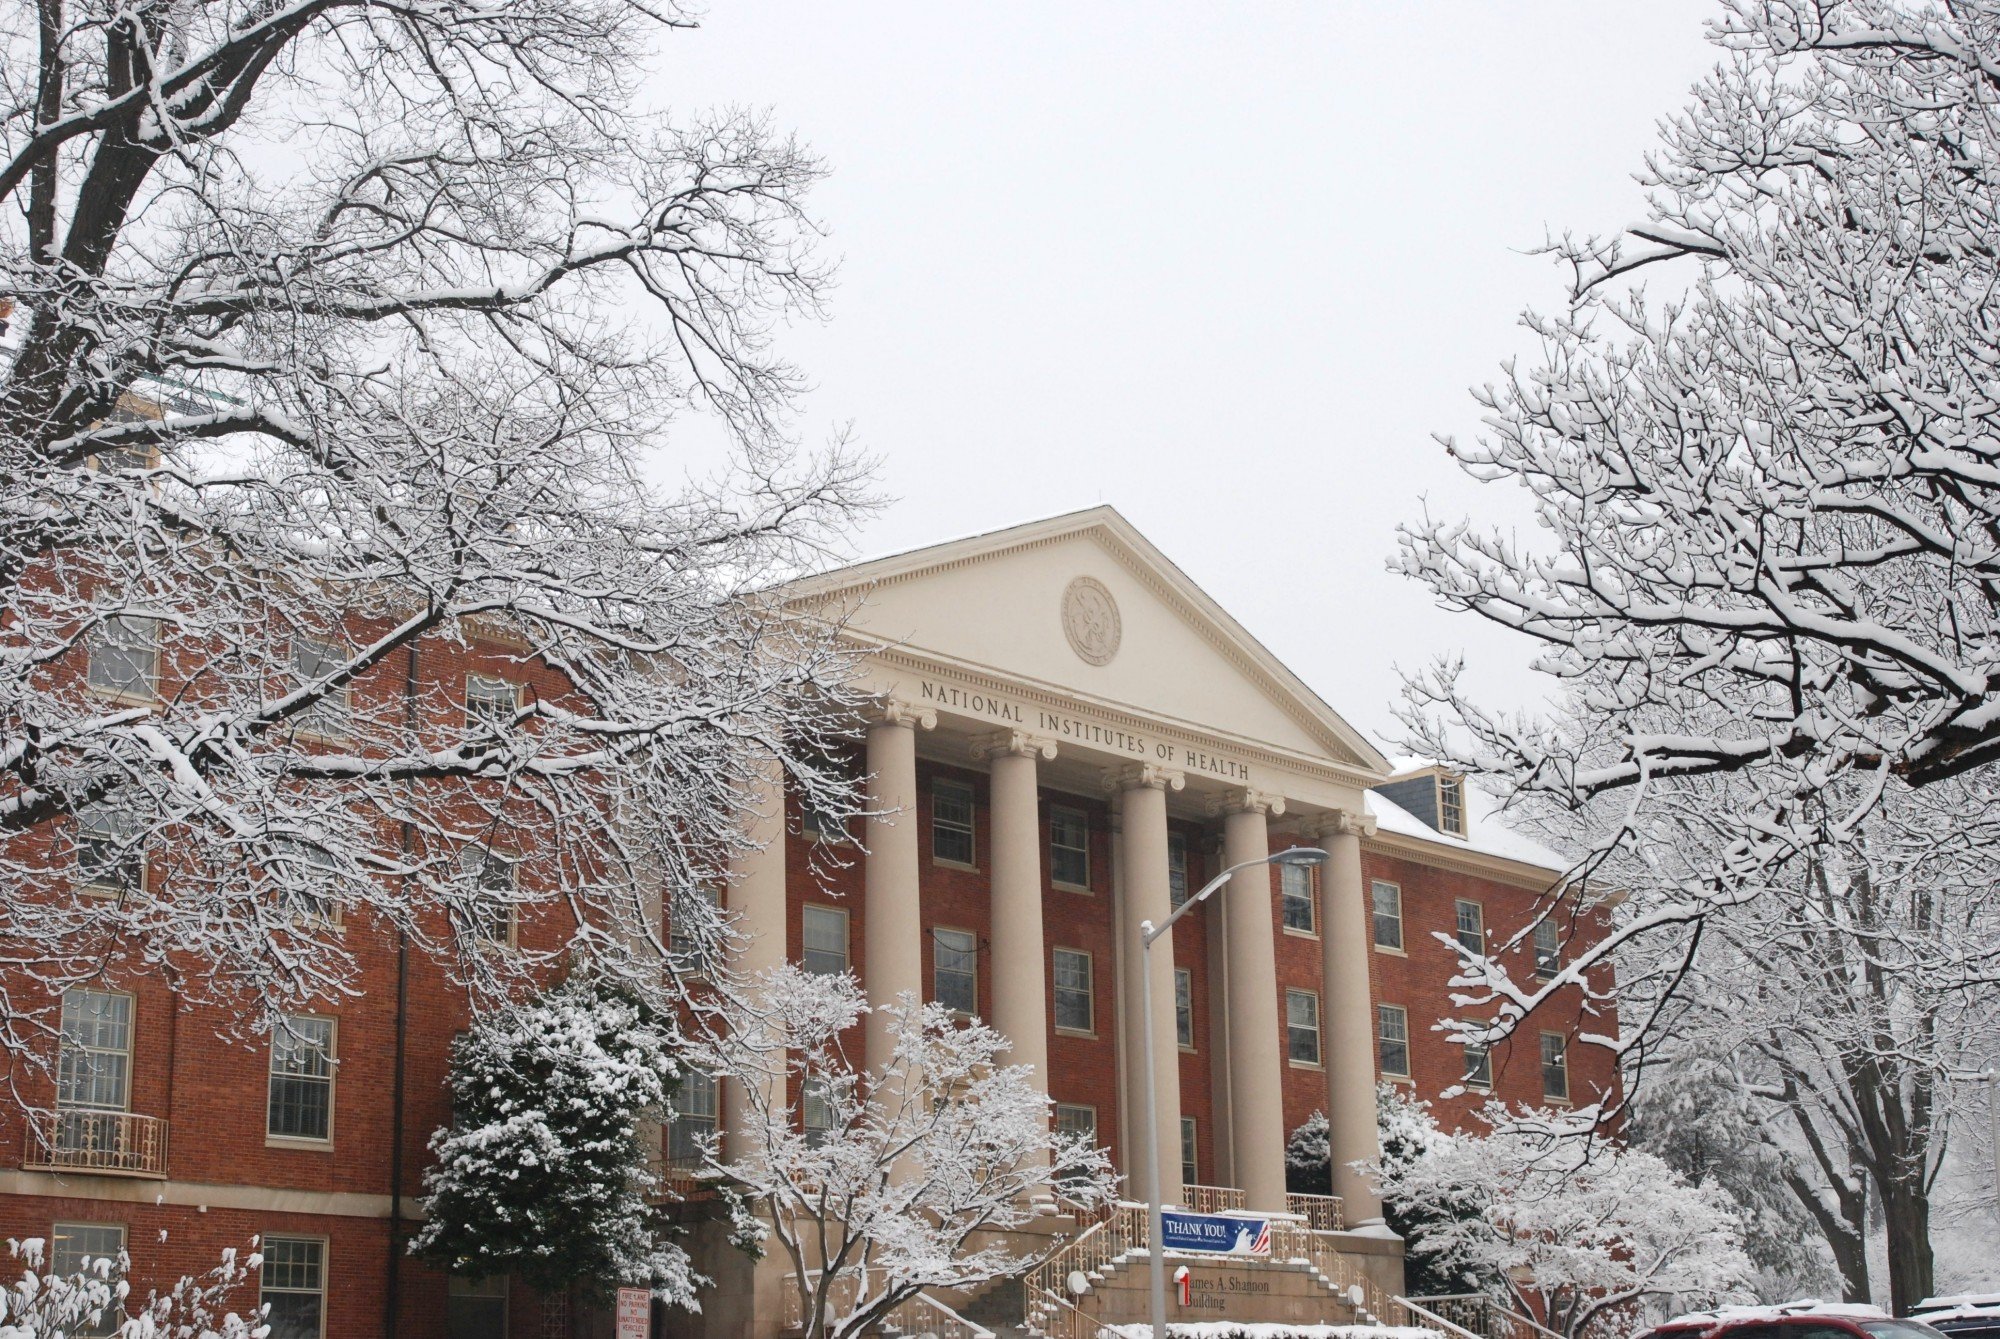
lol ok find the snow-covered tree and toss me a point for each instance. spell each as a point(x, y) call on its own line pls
point(1586, 1234)
point(1768, 499)
point(338, 335)
point(1407, 1133)
point(874, 1184)
point(37, 1303)
point(1309, 1157)
point(1828, 1009)
point(542, 1173)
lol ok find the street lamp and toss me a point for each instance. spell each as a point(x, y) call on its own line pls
point(1306, 856)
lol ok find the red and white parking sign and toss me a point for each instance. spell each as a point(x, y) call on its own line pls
point(635, 1313)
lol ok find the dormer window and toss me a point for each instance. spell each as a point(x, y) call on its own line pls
point(1451, 804)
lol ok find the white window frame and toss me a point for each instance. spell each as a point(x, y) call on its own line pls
point(1289, 897)
point(1478, 1067)
point(1458, 927)
point(114, 1311)
point(971, 972)
point(1082, 817)
point(1318, 1058)
point(966, 829)
point(1088, 990)
point(697, 1111)
point(807, 913)
point(1375, 917)
point(332, 717)
point(1184, 1008)
point(475, 860)
point(1383, 1012)
point(287, 1026)
point(118, 826)
point(1179, 886)
point(1190, 1151)
point(303, 855)
point(1548, 955)
point(1559, 1062)
point(690, 960)
point(141, 642)
point(265, 1290)
point(815, 1112)
point(1451, 804)
point(481, 699)
point(69, 1044)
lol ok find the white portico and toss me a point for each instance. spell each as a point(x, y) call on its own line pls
point(1069, 657)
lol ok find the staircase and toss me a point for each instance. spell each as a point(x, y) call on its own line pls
point(1111, 1254)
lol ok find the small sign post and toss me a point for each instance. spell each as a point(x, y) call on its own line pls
point(635, 1313)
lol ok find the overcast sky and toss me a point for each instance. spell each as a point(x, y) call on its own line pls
point(1226, 267)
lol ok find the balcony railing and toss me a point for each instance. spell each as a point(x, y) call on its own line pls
point(1323, 1213)
point(1212, 1199)
point(110, 1143)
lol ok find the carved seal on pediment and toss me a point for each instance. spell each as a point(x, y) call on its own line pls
point(1090, 620)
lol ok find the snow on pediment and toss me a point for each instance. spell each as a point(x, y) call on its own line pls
point(1085, 605)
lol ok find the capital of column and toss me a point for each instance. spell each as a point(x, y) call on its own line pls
point(1019, 743)
point(1338, 823)
point(1246, 801)
point(1143, 776)
point(895, 711)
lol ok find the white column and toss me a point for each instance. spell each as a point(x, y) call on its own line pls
point(1256, 1077)
point(756, 902)
point(1348, 1006)
point(1020, 975)
point(1148, 897)
point(892, 944)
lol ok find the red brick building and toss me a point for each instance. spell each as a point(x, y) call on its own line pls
point(1072, 738)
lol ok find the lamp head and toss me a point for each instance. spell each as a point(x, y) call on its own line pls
point(1301, 855)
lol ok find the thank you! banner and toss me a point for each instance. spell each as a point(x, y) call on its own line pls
point(1217, 1234)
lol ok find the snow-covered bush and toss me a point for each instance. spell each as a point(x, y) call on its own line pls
point(40, 1304)
point(1586, 1234)
point(1308, 1158)
point(542, 1173)
point(1407, 1132)
point(875, 1183)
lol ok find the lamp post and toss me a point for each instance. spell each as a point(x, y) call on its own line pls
point(1148, 932)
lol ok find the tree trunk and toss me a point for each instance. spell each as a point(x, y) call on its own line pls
point(1906, 1210)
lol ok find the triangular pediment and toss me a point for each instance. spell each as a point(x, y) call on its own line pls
point(1038, 603)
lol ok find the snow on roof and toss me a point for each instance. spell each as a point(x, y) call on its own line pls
point(1485, 833)
point(1959, 1300)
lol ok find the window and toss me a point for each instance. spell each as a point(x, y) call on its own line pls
point(1069, 846)
point(1078, 1122)
point(1555, 1067)
point(1478, 1066)
point(1388, 917)
point(95, 1068)
point(293, 1286)
point(820, 816)
point(301, 1096)
point(312, 661)
point(110, 850)
point(1471, 926)
point(1451, 805)
point(823, 935)
point(492, 911)
point(1074, 1011)
point(1190, 1163)
point(955, 970)
point(306, 880)
point(1302, 1026)
point(693, 920)
point(1295, 887)
point(951, 822)
point(1548, 948)
point(1184, 1007)
point(490, 703)
point(124, 656)
point(815, 1111)
point(72, 1248)
point(1177, 869)
point(1392, 1039)
point(475, 1308)
point(694, 1119)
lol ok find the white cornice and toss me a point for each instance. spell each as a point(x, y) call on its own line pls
point(1459, 860)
